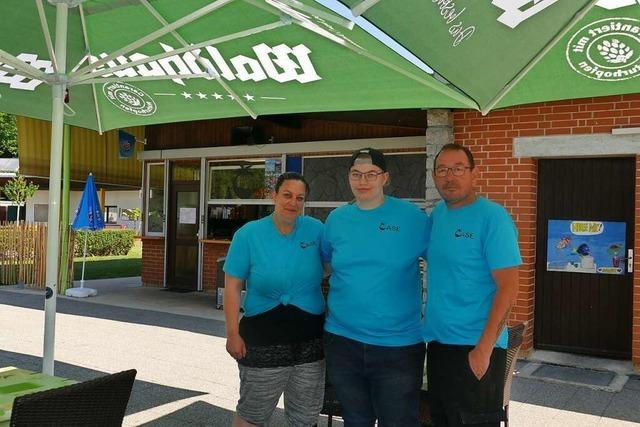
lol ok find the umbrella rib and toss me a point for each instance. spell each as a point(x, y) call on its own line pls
point(23, 67)
point(363, 6)
point(13, 70)
point(93, 86)
point(524, 71)
point(190, 48)
point(155, 35)
point(143, 78)
point(184, 43)
point(47, 35)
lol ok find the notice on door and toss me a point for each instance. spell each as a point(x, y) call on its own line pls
point(595, 247)
point(187, 216)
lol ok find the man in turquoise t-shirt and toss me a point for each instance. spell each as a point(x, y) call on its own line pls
point(472, 266)
point(373, 338)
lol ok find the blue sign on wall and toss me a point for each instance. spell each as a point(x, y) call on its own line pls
point(596, 247)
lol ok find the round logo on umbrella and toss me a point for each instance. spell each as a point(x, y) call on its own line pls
point(607, 50)
point(129, 98)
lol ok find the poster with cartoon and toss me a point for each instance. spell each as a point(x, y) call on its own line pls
point(596, 247)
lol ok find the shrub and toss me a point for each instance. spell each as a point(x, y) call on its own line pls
point(104, 242)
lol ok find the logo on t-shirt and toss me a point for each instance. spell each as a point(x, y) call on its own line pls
point(464, 234)
point(305, 245)
point(389, 227)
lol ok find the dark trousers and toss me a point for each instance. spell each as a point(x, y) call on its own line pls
point(375, 382)
point(456, 396)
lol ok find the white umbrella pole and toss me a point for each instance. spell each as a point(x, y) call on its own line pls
point(84, 258)
point(55, 173)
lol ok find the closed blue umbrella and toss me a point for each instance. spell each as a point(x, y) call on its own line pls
point(89, 212)
point(88, 218)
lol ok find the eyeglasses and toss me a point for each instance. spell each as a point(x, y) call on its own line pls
point(442, 171)
point(368, 176)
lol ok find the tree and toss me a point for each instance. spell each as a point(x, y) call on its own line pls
point(18, 190)
point(8, 136)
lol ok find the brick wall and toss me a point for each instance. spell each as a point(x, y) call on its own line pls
point(153, 261)
point(513, 182)
point(210, 254)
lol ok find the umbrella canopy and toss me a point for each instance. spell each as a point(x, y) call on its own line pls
point(133, 62)
point(512, 52)
point(89, 212)
point(103, 64)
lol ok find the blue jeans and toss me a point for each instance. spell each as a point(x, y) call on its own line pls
point(375, 382)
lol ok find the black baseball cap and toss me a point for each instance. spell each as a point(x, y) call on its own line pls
point(370, 156)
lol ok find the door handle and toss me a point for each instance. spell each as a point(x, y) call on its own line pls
point(630, 260)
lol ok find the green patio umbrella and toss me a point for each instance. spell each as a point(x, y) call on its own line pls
point(103, 64)
point(512, 52)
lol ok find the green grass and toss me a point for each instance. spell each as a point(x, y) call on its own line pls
point(107, 267)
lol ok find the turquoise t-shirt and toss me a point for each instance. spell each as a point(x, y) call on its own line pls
point(467, 243)
point(374, 289)
point(278, 269)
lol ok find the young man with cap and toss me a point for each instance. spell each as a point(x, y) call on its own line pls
point(472, 271)
point(373, 341)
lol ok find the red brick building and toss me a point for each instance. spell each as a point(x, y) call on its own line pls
point(513, 181)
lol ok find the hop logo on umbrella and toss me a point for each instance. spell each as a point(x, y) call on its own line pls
point(129, 99)
point(615, 51)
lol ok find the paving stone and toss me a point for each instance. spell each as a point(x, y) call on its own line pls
point(624, 406)
point(588, 401)
point(574, 375)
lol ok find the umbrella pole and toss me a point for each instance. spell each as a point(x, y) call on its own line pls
point(84, 257)
point(55, 167)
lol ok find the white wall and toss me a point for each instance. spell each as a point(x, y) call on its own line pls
point(129, 199)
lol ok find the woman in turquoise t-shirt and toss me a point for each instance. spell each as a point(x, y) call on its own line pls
point(278, 342)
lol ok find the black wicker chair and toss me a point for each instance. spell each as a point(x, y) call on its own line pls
point(516, 336)
point(330, 406)
point(96, 403)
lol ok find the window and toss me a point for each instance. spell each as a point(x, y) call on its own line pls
point(327, 177)
point(154, 216)
point(110, 214)
point(239, 191)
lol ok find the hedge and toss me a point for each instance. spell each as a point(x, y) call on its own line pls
point(104, 242)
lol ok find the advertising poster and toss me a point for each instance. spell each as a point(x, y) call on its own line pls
point(272, 170)
point(596, 247)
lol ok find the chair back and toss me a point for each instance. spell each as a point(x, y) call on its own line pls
point(331, 405)
point(100, 402)
point(516, 337)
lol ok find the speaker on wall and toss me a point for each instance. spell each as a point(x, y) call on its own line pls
point(247, 135)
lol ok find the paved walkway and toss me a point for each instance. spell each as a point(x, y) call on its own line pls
point(185, 377)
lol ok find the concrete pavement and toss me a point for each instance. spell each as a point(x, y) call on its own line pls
point(185, 377)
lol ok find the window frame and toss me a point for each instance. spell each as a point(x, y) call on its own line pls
point(147, 190)
point(225, 202)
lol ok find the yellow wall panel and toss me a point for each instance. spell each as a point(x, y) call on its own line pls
point(90, 152)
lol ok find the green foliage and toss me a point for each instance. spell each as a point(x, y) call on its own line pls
point(104, 242)
point(18, 190)
point(8, 136)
